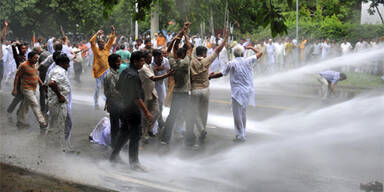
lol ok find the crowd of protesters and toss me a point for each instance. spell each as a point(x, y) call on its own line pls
point(140, 77)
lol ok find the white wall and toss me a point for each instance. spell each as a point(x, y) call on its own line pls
point(366, 18)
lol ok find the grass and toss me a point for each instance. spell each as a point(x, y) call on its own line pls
point(362, 80)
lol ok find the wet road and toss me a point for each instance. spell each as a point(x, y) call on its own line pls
point(295, 143)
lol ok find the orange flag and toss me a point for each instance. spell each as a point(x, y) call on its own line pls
point(34, 38)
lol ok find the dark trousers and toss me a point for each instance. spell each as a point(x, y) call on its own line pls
point(43, 94)
point(114, 118)
point(78, 69)
point(43, 105)
point(179, 109)
point(130, 130)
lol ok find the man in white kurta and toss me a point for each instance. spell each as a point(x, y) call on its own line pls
point(270, 50)
point(160, 66)
point(242, 88)
point(324, 50)
point(59, 111)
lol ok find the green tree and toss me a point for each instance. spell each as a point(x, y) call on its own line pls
point(246, 14)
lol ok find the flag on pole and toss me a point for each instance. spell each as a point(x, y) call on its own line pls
point(34, 38)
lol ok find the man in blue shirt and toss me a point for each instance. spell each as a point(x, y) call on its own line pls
point(125, 56)
point(328, 80)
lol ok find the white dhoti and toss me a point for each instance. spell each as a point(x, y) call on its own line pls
point(58, 116)
point(240, 118)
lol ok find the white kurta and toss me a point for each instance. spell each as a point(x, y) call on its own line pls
point(9, 63)
point(58, 112)
point(270, 49)
point(324, 50)
point(243, 92)
point(102, 132)
point(345, 47)
point(159, 85)
point(241, 78)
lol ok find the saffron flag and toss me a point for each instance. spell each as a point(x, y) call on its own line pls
point(34, 38)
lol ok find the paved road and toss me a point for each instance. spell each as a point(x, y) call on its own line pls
point(295, 143)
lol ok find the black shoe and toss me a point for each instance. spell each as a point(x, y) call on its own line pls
point(138, 167)
point(202, 137)
point(150, 133)
point(115, 159)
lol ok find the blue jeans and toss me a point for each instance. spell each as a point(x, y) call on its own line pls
point(99, 81)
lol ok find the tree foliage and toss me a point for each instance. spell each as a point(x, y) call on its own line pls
point(274, 17)
point(244, 13)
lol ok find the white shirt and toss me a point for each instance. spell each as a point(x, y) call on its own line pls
point(59, 75)
point(241, 78)
point(345, 47)
point(223, 57)
point(159, 85)
point(9, 61)
point(197, 41)
point(154, 43)
point(324, 50)
point(215, 66)
point(270, 49)
point(50, 46)
point(213, 39)
point(68, 51)
point(358, 46)
point(166, 66)
point(279, 48)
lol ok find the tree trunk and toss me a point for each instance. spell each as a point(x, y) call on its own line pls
point(131, 31)
point(381, 17)
point(155, 18)
point(211, 23)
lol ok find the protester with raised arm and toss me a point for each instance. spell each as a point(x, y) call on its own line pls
point(242, 88)
point(200, 89)
point(100, 62)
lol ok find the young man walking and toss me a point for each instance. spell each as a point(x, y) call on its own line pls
point(28, 74)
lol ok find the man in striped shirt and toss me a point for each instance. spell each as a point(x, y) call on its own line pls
point(28, 74)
